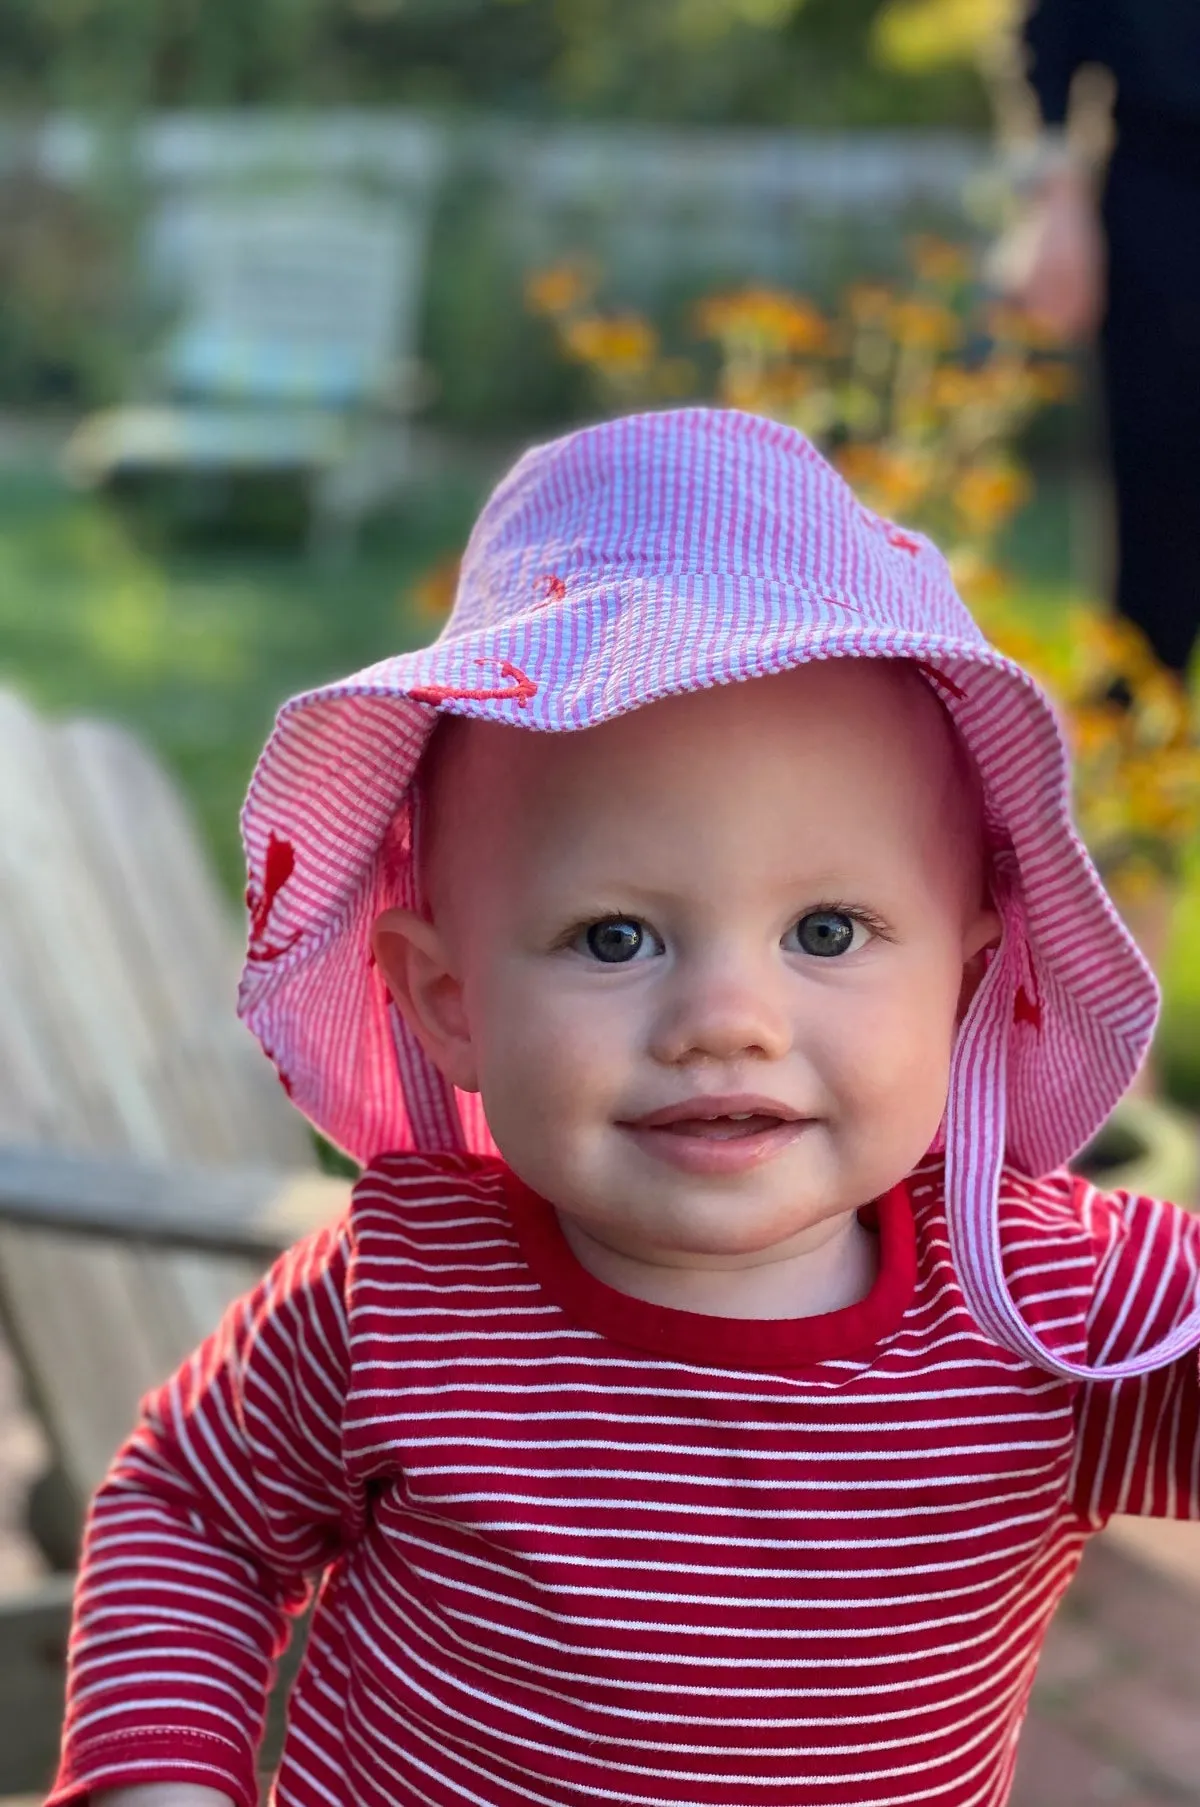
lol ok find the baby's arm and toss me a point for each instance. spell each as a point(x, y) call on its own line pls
point(1138, 1444)
point(203, 1542)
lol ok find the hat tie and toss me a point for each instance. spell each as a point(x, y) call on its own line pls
point(976, 1115)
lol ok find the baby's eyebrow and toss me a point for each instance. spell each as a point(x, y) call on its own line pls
point(802, 890)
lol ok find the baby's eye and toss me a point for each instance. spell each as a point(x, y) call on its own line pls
point(826, 933)
point(616, 940)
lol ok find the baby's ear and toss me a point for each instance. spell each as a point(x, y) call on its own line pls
point(412, 955)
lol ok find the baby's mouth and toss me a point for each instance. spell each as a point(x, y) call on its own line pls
point(730, 1128)
point(718, 1135)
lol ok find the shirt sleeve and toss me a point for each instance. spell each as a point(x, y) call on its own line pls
point(205, 1539)
point(1060, 37)
point(1138, 1445)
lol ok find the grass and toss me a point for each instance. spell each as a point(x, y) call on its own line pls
point(195, 646)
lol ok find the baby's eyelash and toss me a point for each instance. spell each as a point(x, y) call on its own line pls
point(856, 913)
point(580, 927)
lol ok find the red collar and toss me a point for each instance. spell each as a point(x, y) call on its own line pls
point(763, 1343)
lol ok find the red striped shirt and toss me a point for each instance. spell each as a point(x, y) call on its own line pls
point(572, 1547)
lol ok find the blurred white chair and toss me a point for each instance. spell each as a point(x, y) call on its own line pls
point(293, 345)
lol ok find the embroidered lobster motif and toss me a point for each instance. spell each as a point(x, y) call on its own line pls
point(518, 690)
point(278, 867)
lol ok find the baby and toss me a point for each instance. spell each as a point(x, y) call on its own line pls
point(717, 1375)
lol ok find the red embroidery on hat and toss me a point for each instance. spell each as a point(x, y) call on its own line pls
point(554, 587)
point(903, 542)
point(1026, 1009)
point(939, 679)
point(278, 867)
point(519, 690)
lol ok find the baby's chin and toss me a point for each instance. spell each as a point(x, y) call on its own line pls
point(705, 1229)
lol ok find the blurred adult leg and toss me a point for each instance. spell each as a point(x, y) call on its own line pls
point(1151, 363)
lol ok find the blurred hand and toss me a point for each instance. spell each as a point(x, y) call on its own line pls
point(1054, 264)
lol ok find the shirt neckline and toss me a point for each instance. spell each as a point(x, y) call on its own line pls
point(783, 1343)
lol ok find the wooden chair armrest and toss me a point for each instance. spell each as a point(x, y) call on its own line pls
point(250, 1211)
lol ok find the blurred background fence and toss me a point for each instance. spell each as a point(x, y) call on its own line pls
point(95, 224)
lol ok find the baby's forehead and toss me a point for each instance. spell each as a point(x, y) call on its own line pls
point(878, 717)
point(886, 699)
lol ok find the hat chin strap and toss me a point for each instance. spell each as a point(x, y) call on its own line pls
point(975, 1148)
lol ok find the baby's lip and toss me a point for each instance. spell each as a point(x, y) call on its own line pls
point(708, 1108)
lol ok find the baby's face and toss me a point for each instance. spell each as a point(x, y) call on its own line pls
point(704, 963)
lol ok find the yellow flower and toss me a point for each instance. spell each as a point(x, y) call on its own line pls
point(987, 495)
point(893, 482)
point(559, 289)
point(926, 325)
point(953, 388)
point(777, 321)
point(860, 465)
point(617, 342)
point(1096, 731)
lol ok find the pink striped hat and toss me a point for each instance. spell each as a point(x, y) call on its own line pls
point(615, 566)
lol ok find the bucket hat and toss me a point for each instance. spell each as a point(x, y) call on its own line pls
point(624, 563)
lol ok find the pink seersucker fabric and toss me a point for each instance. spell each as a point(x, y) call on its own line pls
point(620, 564)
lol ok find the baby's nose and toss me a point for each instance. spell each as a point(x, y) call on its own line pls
point(723, 1015)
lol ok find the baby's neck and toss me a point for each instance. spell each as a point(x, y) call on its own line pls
point(827, 1275)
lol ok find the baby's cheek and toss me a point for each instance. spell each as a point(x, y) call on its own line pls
point(541, 1068)
point(896, 1048)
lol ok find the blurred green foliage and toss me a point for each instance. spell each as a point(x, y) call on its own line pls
point(62, 284)
point(754, 62)
point(194, 642)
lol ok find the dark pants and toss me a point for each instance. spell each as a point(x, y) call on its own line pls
point(1151, 367)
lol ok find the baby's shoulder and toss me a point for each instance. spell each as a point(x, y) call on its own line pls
point(1049, 1204)
point(1062, 1209)
point(1070, 1210)
point(421, 1186)
point(1083, 1265)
